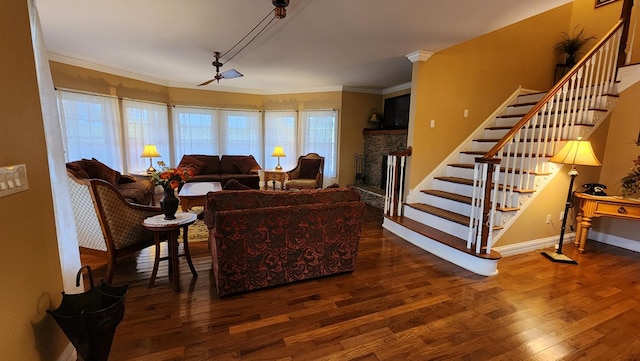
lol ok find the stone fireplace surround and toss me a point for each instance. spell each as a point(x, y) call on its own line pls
point(377, 144)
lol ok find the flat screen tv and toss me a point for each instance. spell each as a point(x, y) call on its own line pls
point(396, 112)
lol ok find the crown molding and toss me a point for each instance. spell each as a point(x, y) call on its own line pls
point(396, 88)
point(105, 69)
point(219, 88)
point(419, 55)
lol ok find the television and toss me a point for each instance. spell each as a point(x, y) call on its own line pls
point(396, 112)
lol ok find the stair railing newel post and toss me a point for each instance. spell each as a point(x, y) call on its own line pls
point(484, 200)
point(394, 192)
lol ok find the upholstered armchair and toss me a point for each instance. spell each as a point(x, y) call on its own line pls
point(106, 224)
point(307, 174)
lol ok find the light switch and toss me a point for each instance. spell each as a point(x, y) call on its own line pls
point(13, 179)
point(433, 123)
point(466, 113)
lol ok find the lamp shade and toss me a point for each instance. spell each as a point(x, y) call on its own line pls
point(278, 152)
point(576, 152)
point(150, 151)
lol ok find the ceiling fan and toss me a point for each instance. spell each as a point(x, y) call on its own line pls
point(229, 74)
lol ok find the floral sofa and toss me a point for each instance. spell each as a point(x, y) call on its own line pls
point(213, 168)
point(260, 239)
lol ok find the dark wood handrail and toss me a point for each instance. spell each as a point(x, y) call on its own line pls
point(512, 132)
point(402, 153)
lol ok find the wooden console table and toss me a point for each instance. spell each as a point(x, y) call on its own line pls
point(601, 206)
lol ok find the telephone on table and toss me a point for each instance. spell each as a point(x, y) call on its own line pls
point(595, 189)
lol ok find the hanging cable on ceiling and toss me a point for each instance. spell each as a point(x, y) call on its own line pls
point(279, 12)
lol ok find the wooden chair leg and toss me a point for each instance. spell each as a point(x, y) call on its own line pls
point(187, 254)
point(156, 261)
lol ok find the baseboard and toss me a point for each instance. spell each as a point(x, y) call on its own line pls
point(536, 244)
point(69, 353)
point(629, 244)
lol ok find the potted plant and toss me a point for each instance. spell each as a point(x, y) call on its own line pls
point(631, 182)
point(570, 45)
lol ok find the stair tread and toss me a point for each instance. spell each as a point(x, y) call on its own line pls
point(520, 115)
point(442, 213)
point(502, 169)
point(442, 237)
point(469, 182)
point(456, 180)
point(480, 152)
point(447, 195)
point(462, 199)
point(506, 127)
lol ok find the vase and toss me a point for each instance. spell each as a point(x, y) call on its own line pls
point(169, 203)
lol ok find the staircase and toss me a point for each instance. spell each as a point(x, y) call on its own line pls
point(463, 207)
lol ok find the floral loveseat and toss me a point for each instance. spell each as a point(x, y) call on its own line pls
point(259, 238)
point(213, 168)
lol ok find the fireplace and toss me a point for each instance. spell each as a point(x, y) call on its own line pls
point(377, 145)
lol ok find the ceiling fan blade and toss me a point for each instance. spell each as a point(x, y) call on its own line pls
point(230, 74)
point(207, 82)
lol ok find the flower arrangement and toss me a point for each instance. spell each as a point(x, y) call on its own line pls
point(631, 182)
point(171, 177)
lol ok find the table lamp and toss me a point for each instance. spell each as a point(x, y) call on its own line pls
point(150, 152)
point(278, 152)
point(575, 152)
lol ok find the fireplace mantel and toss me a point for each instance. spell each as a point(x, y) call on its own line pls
point(368, 131)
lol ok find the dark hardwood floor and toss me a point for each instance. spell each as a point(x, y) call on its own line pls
point(401, 303)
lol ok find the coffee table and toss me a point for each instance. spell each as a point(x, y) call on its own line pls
point(193, 193)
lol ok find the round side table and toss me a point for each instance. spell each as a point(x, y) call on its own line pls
point(171, 228)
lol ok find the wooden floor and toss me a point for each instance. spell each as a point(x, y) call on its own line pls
point(401, 303)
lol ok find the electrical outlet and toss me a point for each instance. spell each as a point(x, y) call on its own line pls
point(548, 218)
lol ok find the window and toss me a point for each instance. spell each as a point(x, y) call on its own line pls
point(217, 132)
point(318, 134)
point(242, 133)
point(280, 130)
point(145, 123)
point(195, 131)
point(91, 128)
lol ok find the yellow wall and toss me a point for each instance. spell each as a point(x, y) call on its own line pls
point(30, 267)
point(477, 75)
point(356, 110)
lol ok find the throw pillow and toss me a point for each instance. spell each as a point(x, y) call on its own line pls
point(195, 165)
point(309, 168)
point(97, 169)
point(234, 185)
point(247, 164)
point(76, 169)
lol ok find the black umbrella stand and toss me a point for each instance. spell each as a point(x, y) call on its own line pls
point(90, 319)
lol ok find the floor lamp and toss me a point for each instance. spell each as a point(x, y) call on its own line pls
point(575, 152)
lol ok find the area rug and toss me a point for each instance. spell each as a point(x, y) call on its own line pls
point(198, 231)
